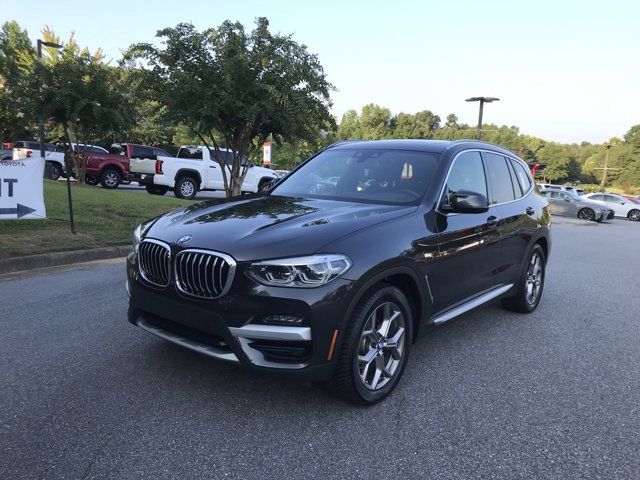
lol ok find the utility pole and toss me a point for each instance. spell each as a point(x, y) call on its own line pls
point(41, 125)
point(606, 168)
point(482, 101)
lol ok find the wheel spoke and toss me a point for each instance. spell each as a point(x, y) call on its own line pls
point(368, 357)
point(383, 331)
point(376, 378)
point(370, 334)
point(393, 341)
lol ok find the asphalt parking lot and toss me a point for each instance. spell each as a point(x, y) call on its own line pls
point(492, 394)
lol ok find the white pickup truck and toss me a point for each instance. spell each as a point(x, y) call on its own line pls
point(193, 170)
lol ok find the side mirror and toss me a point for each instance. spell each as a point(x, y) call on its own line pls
point(567, 200)
point(466, 201)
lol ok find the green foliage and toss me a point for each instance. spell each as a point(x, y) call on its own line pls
point(15, 46)
point(241, 86)
point(79, 92)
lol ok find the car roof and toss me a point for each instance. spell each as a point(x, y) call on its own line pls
point(431, 146)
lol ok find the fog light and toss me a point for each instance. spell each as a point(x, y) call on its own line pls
point(281, 320)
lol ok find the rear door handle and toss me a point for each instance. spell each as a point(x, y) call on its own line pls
point(492, 221)
point(530, 211)
point(212, 166)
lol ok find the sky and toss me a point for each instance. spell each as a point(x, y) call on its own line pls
point(564, 70)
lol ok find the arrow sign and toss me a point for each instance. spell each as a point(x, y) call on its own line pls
point(20, 211)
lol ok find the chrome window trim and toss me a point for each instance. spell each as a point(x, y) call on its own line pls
point(230, 277)
point(480, 150)
point(140, 270)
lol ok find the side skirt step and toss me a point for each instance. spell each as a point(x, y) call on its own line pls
point(471, 304)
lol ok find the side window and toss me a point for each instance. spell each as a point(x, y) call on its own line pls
point(524, 180)
point(467, 173)
point(158, 152)
point(564, 197)
point(517, 189)
point(136, 151)
point(596, 197)
point(190, 152)
point(499, 178)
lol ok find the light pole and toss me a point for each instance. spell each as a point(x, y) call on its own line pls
point(41, 125)
point(482, 101)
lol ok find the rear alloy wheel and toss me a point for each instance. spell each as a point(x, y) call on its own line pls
point(55, 171)
point(634, 215)
point(586, 214)
point(375, 348)
point(263, 185)
point(530, 285)
point(186, 188)
point(110, 179)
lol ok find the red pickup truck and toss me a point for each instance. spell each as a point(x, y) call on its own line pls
point(110, 168)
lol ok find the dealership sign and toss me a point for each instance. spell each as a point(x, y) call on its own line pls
point(21, 185)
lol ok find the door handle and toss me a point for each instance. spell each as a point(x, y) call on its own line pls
point(492, 221)
point(212, 166)
point(530, 211)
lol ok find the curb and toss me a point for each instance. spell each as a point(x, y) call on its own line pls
point(30, 262)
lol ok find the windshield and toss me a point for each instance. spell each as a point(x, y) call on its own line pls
point(366, 175)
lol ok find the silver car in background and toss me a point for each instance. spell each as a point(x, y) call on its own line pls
point(567, 203)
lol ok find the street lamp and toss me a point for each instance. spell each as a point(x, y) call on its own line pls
point(482, 101)
point(41, 126)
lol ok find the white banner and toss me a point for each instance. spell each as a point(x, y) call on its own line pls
point(21, 189)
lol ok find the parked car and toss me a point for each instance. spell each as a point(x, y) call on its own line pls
point(193, 170)
point(333, 280)
point(620, 205)
point(568, 204)
point(632, 199)
point(6, 154)
point(27, 149)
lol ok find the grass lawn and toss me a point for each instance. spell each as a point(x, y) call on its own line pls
point(102, 217)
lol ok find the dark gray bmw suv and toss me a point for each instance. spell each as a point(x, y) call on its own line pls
point(332, 273)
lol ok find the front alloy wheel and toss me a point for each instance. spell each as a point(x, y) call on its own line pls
point(586, 214)
point(375, 346)
point(634, 215)
point(381, 346)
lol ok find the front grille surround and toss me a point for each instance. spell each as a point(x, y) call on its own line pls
point(191, 273)
point(154, 262)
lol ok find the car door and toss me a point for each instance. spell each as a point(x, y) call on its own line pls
point(519, 212)
point(468, 244)
point(565, 204)
point(213, 170)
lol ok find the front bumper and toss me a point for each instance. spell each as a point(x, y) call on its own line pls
point(233, 327)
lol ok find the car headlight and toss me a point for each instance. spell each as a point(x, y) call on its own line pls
point(137, 235)
point(301, 272)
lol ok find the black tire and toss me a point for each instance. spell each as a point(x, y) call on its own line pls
point(55, 171)
point(347, 381)
point(110, 178)
point(263, 185)
point(156, 189)
point(521, 301)
point(634, 215)
point(186, 188)
point(587, 214)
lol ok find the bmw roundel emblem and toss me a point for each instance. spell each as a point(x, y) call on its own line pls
point(184, 239)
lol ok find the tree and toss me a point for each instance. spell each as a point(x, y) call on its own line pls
point(81, 94)
point(237, 88)
point(15, 46)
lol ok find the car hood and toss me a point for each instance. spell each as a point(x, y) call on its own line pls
point(259, 227)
